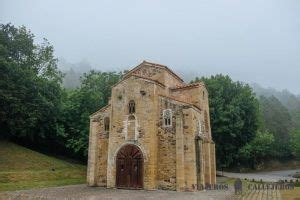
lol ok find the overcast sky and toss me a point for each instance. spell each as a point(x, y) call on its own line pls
point(252, 41)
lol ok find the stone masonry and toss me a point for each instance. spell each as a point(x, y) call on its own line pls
point(166, 119)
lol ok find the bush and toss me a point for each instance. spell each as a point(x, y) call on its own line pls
point(295, 143)
point(257, 150)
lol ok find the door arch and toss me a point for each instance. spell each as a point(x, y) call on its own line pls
point(130, 167)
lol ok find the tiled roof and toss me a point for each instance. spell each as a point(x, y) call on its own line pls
point(102, 109)
point(180, 100)
point(150, 79)
point(187, 86)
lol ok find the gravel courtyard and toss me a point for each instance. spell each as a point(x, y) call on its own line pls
point(271, 176)
point(94, 193)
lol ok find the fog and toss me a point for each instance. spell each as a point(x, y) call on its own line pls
point(252, 41)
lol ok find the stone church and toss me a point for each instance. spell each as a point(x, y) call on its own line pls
point(153, 134)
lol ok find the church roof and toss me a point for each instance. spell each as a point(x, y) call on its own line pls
point(180, 101)
point(154, 65)
point(142, 77)
point(99, 111)
point(187, 86)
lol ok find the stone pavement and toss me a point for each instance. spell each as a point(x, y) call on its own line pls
point(95, 193)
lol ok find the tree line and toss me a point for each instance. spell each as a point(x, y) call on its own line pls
point(249, 130)
point(38, 112)
point(35, 110)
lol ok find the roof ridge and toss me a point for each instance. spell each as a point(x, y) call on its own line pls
point(152, 63)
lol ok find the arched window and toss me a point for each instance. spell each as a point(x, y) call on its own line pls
point(106, 124)
point(131, 107)
point(167, 116)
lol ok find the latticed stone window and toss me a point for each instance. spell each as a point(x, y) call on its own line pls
point(131, 107)
point(199, 128)
point(203, 130)
point(106, 124)
point(206, 121)
point(167, 117)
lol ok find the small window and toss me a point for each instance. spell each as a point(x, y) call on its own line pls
point(206, 124)
point(106, 124)
point(131, 107)
point(203, 95)
point(206, 121)
point(203, 130)
point(167, 117)
point(200, 128)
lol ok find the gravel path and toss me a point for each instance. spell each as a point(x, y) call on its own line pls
point(272, 176)
point(94, 193)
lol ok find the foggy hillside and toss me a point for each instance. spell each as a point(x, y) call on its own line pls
point(73, 72)
point(289, 100)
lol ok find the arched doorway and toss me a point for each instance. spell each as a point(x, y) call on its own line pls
point(129, 167)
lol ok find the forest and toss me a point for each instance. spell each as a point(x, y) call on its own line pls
point(47, 109)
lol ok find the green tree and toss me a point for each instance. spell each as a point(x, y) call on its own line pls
point(80, 103)
point(234, 113)
point(295, 143)
point(278, 121)
point(30, 91)
point(257, 150)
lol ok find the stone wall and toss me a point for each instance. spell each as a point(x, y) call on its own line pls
point(166, 147)
point(98, 140)
point(92, 152)
point(145, 127)
point(102, 149)
point(177, 145)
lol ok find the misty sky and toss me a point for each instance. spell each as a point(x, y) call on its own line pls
point(253, 41)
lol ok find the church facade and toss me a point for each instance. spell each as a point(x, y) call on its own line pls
point(153, 134)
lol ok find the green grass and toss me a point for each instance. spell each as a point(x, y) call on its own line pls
point(291, 194)
point(22, 168)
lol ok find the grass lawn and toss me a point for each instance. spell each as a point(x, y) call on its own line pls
point(291, 194)
point(22, 168)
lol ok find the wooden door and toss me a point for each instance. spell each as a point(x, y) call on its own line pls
point(129, 167)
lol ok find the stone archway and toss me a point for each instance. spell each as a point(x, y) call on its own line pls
point(130, 167)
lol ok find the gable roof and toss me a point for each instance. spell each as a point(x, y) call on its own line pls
point(154, 65)
point(99, 111)
point(142, 77)
point(181, 101)
point(187, 86)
